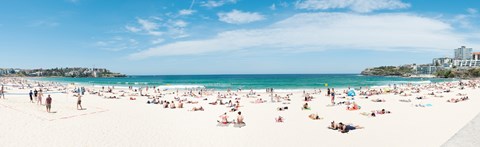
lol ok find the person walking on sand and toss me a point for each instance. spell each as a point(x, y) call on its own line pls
point(48, 103)
point(79, 102)
point(39, 97)
point(35, 93)
point(31, 96)
point(333, 96)
point(2, 93)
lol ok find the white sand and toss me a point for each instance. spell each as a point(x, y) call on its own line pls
point(468, 136)
point(123, 122)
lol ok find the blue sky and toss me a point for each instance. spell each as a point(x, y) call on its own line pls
point(233, 36)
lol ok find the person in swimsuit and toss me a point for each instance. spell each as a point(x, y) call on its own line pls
point(31, 96)
point(48, 103)
point(224, 118)
point(2, 93)
point(348, 128)
point(39, 97)
point(79, 102)
point(314, 117)
point(240, 118)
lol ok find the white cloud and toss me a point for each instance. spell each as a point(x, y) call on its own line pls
point(117, 43)
point(326, 31)
point(158, 41)
point(180, 23)
point(361, 6)
point(186, 12)
point(465, 20)
point(472, 11)
point(133, 29)
point(273, 7)
point(239, 17)
point(149, 27)
point(216, 3)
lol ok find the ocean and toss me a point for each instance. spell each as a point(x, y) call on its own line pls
point(260, 81)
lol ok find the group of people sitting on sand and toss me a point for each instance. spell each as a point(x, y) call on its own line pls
point(167, 104)
point(224, 119)
point(454, 100)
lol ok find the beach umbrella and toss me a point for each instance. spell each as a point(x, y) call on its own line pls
point(351, 93)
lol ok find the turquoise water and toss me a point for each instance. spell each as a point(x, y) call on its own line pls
point(277, 81)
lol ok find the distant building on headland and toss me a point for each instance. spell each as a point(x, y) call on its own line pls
point(463, 53)
point(464, 58)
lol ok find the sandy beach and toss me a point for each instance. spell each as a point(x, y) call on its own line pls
point(121, 121)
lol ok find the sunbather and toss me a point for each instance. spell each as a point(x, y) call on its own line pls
point(347, 128)
point(315, 117)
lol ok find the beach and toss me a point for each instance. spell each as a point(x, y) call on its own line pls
point(129, 121)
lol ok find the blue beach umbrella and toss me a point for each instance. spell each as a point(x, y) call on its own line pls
point(351, 93)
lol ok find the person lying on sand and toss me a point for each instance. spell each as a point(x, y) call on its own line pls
point(197, 109)
point(374, 113)
point(333, 126)
point(192, 102)
point(259, 101)
point(422, 105)
point(354, 106)
point(315, 117)
point(347, 128)
point(420, 97)
point(378, 100)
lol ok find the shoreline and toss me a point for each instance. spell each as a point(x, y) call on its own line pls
point(194, 85)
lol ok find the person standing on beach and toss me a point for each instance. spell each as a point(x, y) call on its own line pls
point(31, 96)
point(35, 93)
point(2, 93)
point(79, 102)
point(333, 96)
point(48, 103)
point(328, 91)
point(39, 97)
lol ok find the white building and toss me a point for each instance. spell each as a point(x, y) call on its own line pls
point(444, 62)
point(463, 53)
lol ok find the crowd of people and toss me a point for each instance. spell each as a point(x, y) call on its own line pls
point(230, 101)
